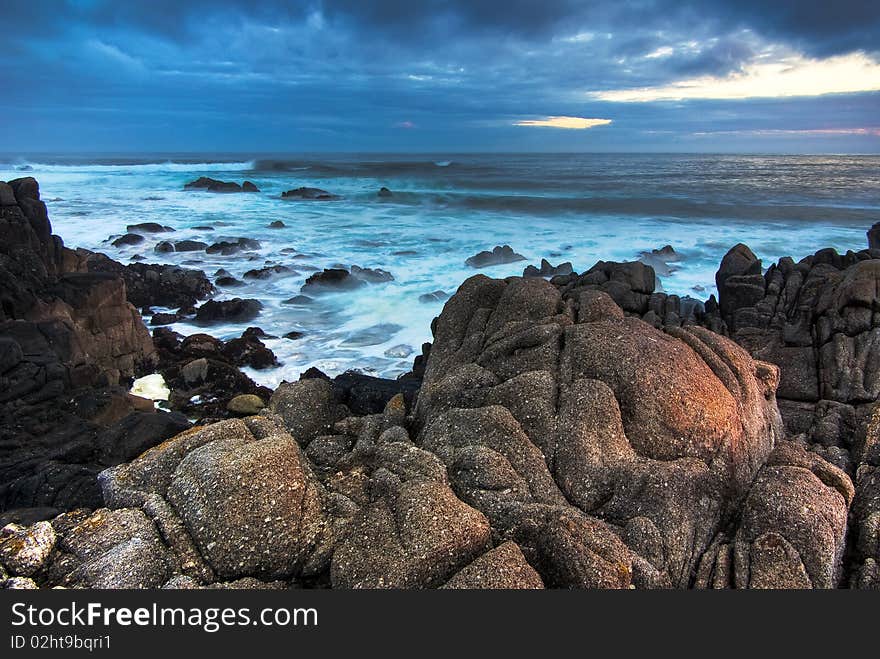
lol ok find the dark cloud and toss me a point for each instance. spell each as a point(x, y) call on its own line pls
point(348, 73)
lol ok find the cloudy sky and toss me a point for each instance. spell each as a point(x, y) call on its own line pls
point(470, 75)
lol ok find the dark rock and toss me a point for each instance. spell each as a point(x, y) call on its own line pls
point(229, 247)
point(269, 271)
point(228, 282)
point(874, 236)
point(371, 275)
point(299, 300)
point(165, 247)
point(150, 284)
point(308, 193)
point(331, 279)
point(137, 432)
point(384, 192)
point(148, 227)
point(236, 310)
point(435, 296)
point(164, 318)
point(213, 185)
point(203, 228)
point(293, 336)
point(497, 256)
point(277, 224)
point(128, 239)
point(190, 246)
point(548, 270)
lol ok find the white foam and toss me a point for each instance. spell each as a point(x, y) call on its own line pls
point(152, 387)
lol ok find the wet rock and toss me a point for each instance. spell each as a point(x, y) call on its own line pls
point(165, 247)
point(331, 279)
point(277, 224)
point(236, 310)
point(128, 239)
point(164, 318)
point(371, 275)
point(384, 193)
point(498, 256)
point(230, 247)
point(155, 285)
point(228, 282)
point(294, 336)
point(435, 296)
point(399, 351)
point(547, 270)
point(299, 300)
point(148, 227)
point(213, 185)
point(190, 246)
point(308, 194)
point(269, 271)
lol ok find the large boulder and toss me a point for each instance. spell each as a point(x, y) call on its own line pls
point(238, 498)
point(538, 395)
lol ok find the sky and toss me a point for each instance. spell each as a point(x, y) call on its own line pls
point(472, 75)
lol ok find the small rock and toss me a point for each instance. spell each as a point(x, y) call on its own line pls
point(246, 405)
point(277, 224)
point(308, 193)
point(128, 239)
point(498, 256)
point(24, 550)
point(299, 300)
point(399, 351)
point(148, 227)
point(435, 296)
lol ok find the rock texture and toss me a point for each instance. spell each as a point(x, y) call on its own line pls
point(68, 340)
point(582, 432)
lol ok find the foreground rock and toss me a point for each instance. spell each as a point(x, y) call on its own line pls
point(69, 340)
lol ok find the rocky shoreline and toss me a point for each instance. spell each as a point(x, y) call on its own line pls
point(562, 430)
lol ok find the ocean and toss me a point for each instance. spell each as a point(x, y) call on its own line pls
point(444, 208)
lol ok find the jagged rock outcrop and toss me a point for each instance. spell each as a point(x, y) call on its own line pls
point(68, 339)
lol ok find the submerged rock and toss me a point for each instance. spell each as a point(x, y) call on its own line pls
point(213, 185)
point(229, 247)
point(128, 239)
point(434, 296)
point(308, 194)
point(148, 227)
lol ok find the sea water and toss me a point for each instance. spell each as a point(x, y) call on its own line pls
point(444, 208)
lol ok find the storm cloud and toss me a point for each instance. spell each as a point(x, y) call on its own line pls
point(390, 75)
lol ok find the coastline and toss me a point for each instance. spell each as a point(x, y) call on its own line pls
point(535, 429)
